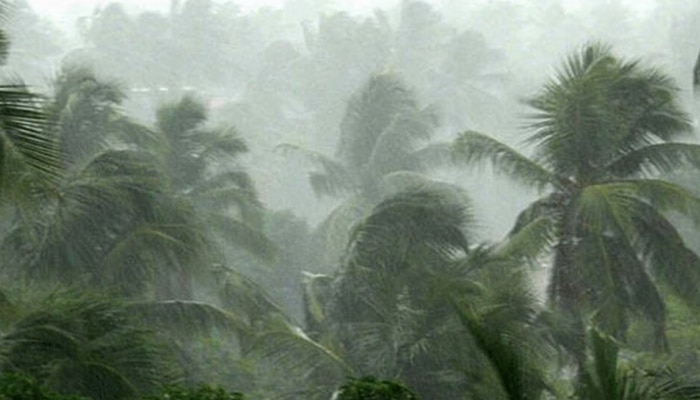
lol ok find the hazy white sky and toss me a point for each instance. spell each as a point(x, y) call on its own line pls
point(58, 8)
point(64, 12)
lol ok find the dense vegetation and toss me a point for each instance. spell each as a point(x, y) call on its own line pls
point(140, 260)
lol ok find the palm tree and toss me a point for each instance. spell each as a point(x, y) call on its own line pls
point(85, 113)
point(204, 167)
point(607, 376)
point(25, 147)
point(414, 302)
point(112, 221)
point(603, 133)
point(84, 344)
point(383, 146)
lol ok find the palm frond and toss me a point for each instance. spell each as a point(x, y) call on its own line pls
point(418, 224)
point(430, 156)
point(666, 196)
point(24, 135)
point(180, 118)
point(607, 208)
point(289, 349)
point(473, 148)
point(316, 294)
point(114, 191)
point(229, 192)
point(602, 379)
point(222, 144)
point(396, 144)
point(240, 233)
point(656, 158)
point(500, 331)
point(382, 101)
point(187, 316)
point(333, 178)
point(70, 339)
point(245, 298)
point(533, 231)
point(669, 258)
point(600, 108)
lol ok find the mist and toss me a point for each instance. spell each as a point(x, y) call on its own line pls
point(455, 198)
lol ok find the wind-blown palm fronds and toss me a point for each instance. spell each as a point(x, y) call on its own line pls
point(602, 132)
point(608, 377)
point(203, 167)
point(384, 131)
point(85, 344)
point(24, 141)
point(392, 304)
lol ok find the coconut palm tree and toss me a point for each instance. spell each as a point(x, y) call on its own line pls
point(603, 132)
point(25, 147)
point(383, 146)
point(608, 376)
point(204, 166)
point(84, 344)
point(414, 302)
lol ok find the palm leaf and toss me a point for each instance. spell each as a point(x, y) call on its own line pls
point(656, 158)
point(187, 316)
point(24, 135)
point(70, 339)
point(290, 349)
point(245, 298)
point(247, 237)
point(666, 196)
point(607, 208)
point(222, 144)
point(396, 144)
point(333, 178)
point(498, 334)
point(430, 156)
point(473, 148)
point(381, 102)
point(533, 231)
point(418, 224)
point(670, 259)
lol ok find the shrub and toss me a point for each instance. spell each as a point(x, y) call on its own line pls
point(369, 388)
point(201, 392)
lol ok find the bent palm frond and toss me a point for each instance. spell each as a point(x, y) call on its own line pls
point(24, 135)
point(666, 196)
point(187, 316)
point(287, 348)
point(473, 148)
point(413, 225)
point(669, 258)
point(240, 233)
point(655, 158)
point(333, 179)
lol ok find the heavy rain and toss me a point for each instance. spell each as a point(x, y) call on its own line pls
point(346, 200)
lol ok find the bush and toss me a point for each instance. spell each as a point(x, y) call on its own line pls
point(201, 392)
point(369, 388)
point(22, 387)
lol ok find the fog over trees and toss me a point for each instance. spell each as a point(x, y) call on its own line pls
point(434, 200)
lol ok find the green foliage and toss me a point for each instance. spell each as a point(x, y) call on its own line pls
point(15, 386)
point(607, 376)
point(85, 344)
point(603, 130)
point(201, 392)
point(369, 388)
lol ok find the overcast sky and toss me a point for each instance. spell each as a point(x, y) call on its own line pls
point(61, 8)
